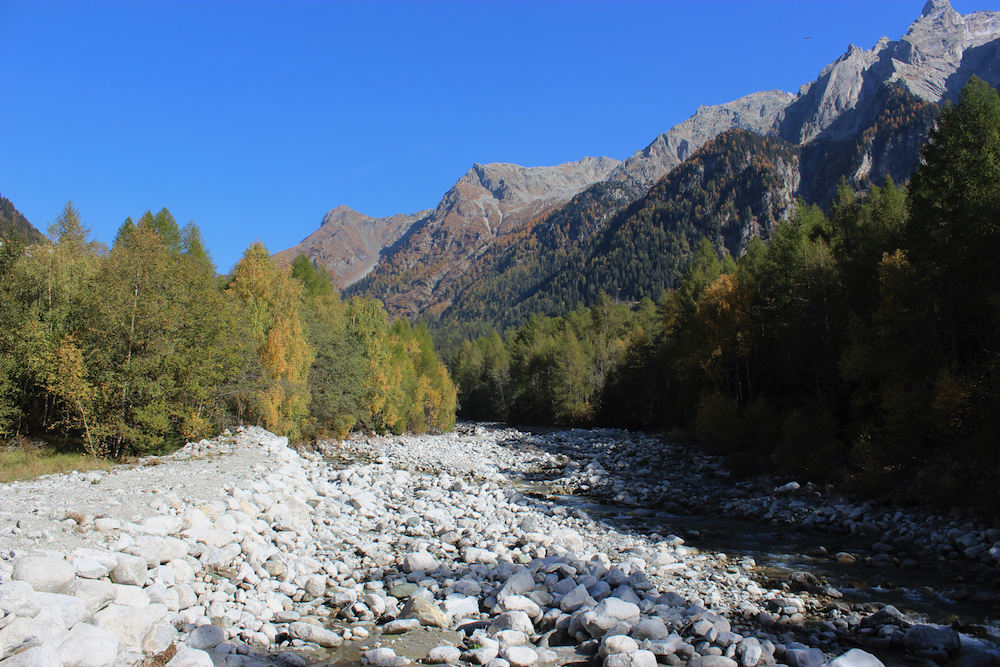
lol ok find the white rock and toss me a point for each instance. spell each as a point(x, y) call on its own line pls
point(464, 606)
point(88, 646)
point(130, 570)
point(313, 633)
point(44, 574)
point(65, 610)
point(129, 624)
point(38, 656)
point(855, 658)
point(519, 656)
point(159, 638)
point(90, 568)
point(443, 655)
point(18, 597)
point(419, 560)
point(190, 657)
point(206, 637)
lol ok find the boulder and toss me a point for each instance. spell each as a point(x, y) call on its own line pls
point(130, 570)
point(922, 639)
point(88, 646)
point(206, 637)
point(190, 657)
point(512, 620)
point(426, 612)
point(309, 632)
point(855, 658)
point(44, 573)
point(38, 656)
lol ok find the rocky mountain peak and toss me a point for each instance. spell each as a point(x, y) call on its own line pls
point(936, 8)
point(755, 112)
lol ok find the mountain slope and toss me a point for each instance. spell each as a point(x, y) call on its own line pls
point(736, 186)
point(489, 202)
point(12, 222)
point(349, 243)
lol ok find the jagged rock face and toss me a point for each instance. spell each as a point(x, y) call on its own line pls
point(489, 201)
point(933, 60)
point(349, 243)
point(756, 113)
point(503, 196)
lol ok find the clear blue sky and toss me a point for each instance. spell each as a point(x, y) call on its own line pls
point(255, 118)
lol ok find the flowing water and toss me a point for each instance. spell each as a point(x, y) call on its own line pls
point(780, 551)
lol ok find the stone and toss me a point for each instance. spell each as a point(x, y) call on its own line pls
point(426, 612)
point(419, 561)
point(616, 644)
point(577, 598)
point(519, 656)
point(90, 568)
point(130, 570)
point(44, 574)
point(382, 657)
point(88, 646)
point(712, 661)
point(22, 633)
point(96, 595)
point(749, 651)
point(608, 613)
point(309, 632)
point(929, 638)
point(206, 637)
point(38, 656)
point(315, 586)
point(461, 606)
point(512, 620)
point(190, 657)
point(804, 657)
point(18, 597)
point(475, 555)
point(650, 628)
point(443, 655)
point(158, 638)
point(129, 624)
point(65, 610)
point(403, 591)
point(520, 603)
point(856, 658)
point(400, 625)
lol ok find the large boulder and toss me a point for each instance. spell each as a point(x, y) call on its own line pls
point(89, 646)
point(44, 573)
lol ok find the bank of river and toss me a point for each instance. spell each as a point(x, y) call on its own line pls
point(486, 546)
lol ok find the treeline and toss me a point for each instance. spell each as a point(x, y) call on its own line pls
point(143, 346)
point(860, 346)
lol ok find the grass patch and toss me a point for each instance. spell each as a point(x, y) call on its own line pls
point(29, 460)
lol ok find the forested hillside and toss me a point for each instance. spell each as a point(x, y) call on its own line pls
point(860, 345)
point(14, 224)
point(141, 347)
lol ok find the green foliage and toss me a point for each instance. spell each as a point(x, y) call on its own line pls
point(861, 346)
point(140, 348)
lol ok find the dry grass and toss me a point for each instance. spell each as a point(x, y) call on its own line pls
point(27, 460)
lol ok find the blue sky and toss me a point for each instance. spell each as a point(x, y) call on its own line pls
point(255, 118)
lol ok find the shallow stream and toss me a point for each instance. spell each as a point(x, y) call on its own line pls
point(780, 552)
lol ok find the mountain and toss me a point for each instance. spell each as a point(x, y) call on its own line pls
point(14, 223)
point(627, 232)
point(736, 186)
point(756, 112)
point(491, 201)
point(348, 243)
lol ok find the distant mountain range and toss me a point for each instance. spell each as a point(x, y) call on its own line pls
point(507, 240)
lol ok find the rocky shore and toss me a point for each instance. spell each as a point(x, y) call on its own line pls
point(390, 550)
